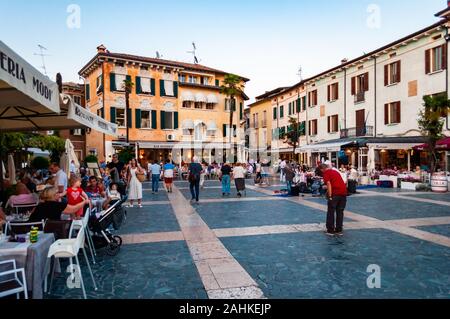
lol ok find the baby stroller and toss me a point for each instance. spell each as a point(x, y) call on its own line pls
point(100, 224)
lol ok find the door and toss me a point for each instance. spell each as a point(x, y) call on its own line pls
point(360, 122)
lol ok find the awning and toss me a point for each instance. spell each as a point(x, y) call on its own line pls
point(391, 146)
point(199, 97)
point(182, 145)
point(212, 98)
point(443, 144)
point(187, 125)
point(24, 91)
point(187, 96)
point(322, 148)
point(211, 126)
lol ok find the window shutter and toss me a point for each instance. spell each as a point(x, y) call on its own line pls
point(328, 93)
point(329, 126)
point(309, 128)
point(386, 114)
point(386, 75)
point(113, 114)
point(175, 89)
point(88, 92)
point(427, 61)
point(275, 115)
point(366, 82)
point(399, 112)
point(224, 130)
point(153, 85)
point(129, 118)
point(112, 82)
point(399, 71)
point(281, 111)
point(217, 83)
point(161, 88)
point(138, 85)
point(234, 130)
point(102, 112)
point(128, 78)
point(304, 102)
point(233, 105)
point(163, 120)
point(354, 85)
point(444, 56)
point(154, 120)
point(138, 118)
point(241, 111)
point(175, 120)
point(336, 91)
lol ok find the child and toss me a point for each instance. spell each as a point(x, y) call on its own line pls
point(75, 194)
point(112, 194)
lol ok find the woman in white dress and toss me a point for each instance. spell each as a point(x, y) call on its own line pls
point(134, 185)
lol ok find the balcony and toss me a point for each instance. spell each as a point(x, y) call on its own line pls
point(360, 97)
point(357, 132)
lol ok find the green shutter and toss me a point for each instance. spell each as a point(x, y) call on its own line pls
point(304, 103)
point(175, 89)
point(175, 120)
point(154, 120)
point(138, 85)
point(113, 115)
point(128, 78)
point(129, 118)
point(217, 83)
point(241, 111)
point(153, 85)
point(88, 92)
point(281, 111)
point(112, 82)
point(163, 120)
point(298, 105)
point(224, 130)
point(275, 115)
point(161, 88)
point(234, 130)
point(138, 118)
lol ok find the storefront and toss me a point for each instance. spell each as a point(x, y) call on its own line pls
point(338, 152)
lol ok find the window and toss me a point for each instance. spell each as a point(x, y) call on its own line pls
point(187, 104)
point(312, 98)
point(210, 106)
point(436, 59)
point(87, 92)
point(217, 83)
point(99, 84)
point(101, 112)
point(313, 127)
point(264, 120)
point(120, 82)
point(275, 115)
point(205, 80)
point(144, 85)
point(168, 88)
point(392, 73)
point(360, 85)
point(120, 117)
point(392, 113)
point(169, 120)
point(76, 132)
point(77, 99)
point(333, 92)
point(229, 104)
point(146, 119)
point(192, 79)
point(333, 124)
point(281, 111)
point(199, 105)
point(182, 78)
point(255, 120)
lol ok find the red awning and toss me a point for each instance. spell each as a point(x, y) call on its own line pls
point(442, 145)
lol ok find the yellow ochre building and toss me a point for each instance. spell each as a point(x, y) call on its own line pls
point(176, 109)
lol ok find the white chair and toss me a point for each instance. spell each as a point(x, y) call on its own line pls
point(12, 285)
point(83, 223)
point(69, 248)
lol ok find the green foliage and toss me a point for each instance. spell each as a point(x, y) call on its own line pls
point(11, 142)
point(126, 154)
point(293, 134)
point(40, 163)
point(91, 159)
point(431, 122)
point(231, 86)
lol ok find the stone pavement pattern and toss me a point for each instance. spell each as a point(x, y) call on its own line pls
point(263, 246)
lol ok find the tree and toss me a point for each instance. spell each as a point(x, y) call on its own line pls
point(293, 134)
point(126, 154)
point(231, 87)
point(128, 86)
point(431, 122)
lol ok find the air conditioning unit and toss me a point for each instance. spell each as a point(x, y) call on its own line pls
point(171, 137)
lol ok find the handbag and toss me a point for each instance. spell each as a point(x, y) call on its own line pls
point(140, 177)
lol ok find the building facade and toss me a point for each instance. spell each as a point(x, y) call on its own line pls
point(176, 110)
point(364, 111)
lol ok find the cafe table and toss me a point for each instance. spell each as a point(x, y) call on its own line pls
point(31, 257)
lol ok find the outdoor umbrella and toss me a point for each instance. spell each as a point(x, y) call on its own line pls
point(71, 155)
point(64, 163)
point(441, 145)
point(11, 170)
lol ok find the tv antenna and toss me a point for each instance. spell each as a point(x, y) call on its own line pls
point(42, 55)
point(300, 75)
point(194, 53)
point(158, 55)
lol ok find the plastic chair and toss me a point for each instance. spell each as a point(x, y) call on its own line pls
point(83, 223)
point(69, 248)
point(13, 285)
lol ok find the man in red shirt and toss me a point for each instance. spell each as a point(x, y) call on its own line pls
point(337, 199)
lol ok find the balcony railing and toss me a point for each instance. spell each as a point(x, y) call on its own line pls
point(357, 132)
point(360, 97)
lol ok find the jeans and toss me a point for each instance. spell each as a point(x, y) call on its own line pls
point(289, 186)
point(336, 206)
point(155, 183)
point(195, 189)
point(226, 187)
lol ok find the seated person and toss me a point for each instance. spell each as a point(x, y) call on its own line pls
point(22, 196)
point(96, 193)
point(112, 195)
point(50, 208)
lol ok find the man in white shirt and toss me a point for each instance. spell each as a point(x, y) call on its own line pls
point(61, 177)
point(154, 170)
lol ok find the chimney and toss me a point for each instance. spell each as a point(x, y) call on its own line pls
point(102, 49)
point(345, 60)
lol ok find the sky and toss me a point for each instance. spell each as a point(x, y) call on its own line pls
point(265, 41)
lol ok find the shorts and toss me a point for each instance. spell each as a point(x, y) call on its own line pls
point(168, 180)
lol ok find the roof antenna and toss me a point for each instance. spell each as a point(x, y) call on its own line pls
point(300, 75)
point(158, 55)
point(194, 53)
point(42, 55)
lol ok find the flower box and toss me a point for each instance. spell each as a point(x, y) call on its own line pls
point(408, 186)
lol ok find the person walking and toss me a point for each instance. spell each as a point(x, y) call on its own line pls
point(226, 179)
point(194, 173)
point(289, 176)
point(155, 173)
point(239, 178)
point(337, 200)
point(168, 175)
point(134, 185)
